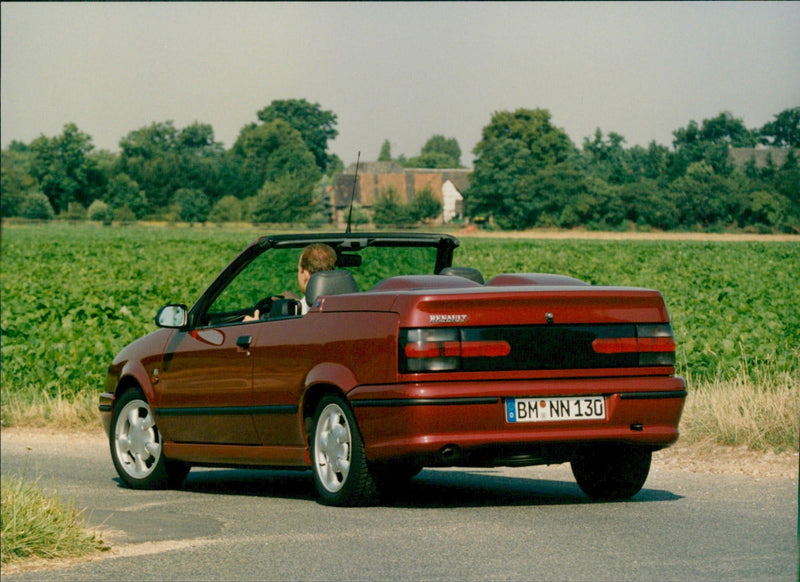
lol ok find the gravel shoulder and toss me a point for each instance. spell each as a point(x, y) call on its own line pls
point(703, 457)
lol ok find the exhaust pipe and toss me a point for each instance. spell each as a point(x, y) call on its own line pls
point(449, 452)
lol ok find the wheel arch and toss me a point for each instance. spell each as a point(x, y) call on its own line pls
point(133, 375)
point(324, 378)
point(311, 398)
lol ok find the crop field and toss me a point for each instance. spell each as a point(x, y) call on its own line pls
point(73, 295)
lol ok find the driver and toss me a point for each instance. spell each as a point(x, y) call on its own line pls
point(316, 257)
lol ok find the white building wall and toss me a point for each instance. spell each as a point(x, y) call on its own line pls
point(450, 195)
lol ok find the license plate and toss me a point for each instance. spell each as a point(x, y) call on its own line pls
point(555, 409)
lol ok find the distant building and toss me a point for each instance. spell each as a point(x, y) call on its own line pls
point(452, 202)
point(740, 157)
point(375, 177)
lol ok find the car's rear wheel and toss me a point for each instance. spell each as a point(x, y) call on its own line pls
point(136, 446)
point(338, 460)
point(612, 472)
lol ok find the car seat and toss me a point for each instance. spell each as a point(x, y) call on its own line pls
point(336, 282)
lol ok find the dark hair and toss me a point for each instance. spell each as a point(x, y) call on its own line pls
point(317, 257)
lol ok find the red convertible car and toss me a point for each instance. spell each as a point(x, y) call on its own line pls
point(403, 361)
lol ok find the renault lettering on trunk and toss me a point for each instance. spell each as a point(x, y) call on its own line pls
point(448, 318)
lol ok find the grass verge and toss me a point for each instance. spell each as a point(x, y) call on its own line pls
point(757, 408)
point(38, 410)
point(35, 524)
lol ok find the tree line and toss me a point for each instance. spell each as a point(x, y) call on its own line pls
point(527, 173)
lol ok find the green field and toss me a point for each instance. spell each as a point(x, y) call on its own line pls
point(73, 295)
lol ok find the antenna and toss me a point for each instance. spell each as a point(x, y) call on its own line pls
point(353, 195)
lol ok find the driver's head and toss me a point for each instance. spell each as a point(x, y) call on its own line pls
point(316, 257)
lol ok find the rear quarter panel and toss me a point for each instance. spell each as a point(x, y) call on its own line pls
point(341, 350)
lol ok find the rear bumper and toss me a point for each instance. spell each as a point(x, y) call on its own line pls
point(447, 423)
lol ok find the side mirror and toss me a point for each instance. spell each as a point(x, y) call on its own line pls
point(172, 316)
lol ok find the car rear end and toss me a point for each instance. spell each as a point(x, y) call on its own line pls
point(518, 375)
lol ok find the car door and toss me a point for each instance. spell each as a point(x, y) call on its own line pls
point(206, 385)
point(285, 352)
point(207, 378)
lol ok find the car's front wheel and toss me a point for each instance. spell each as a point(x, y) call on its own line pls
point(612, 472)
point(338, 460)
point(136, 446)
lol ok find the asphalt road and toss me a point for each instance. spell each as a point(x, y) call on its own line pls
point(500, 524)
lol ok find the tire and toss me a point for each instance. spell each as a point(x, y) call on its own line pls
point(136, 446)
point(338, 460)
point(612, 472)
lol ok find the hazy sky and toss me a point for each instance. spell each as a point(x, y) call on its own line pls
point(396, 71)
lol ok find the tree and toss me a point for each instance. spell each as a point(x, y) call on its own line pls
point(198, 139)
point(703, 197)
point(546, 143)
point(784, 130)
point(441, 145)
point(194, 206)
point(358, 215)
point(227, 209)
point(649, 163)
point(725, 128)
point(600, 207)
point(275, 153)
point(608, 159)
point(123, 192)
point(273, 150)
point(16, 180)
point(787, 179)
point(286, 199)
point(233, 176)
point(36, 206)
point(335, 165)
point(100, 212)
point(762, 208)
point(424, 207)
point(149, 157)
point(389, 210)
point(495, 185)
point(105, 165)
point(709, 143)
point(63, 168)
point(438, 152)
point(557, 195)
point(431, 160)
point(645, 203)
point(315, 125)
point(515, 148)
point(163, 159)
point(386, 152)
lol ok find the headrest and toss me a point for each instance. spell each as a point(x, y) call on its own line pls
point(466, 272)
point(336, 282)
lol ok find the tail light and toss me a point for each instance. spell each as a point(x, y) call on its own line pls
point(442, 349)
point(654, 343)
point(535, 347)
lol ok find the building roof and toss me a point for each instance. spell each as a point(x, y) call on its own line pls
point(741, 156)
point(375, 168)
